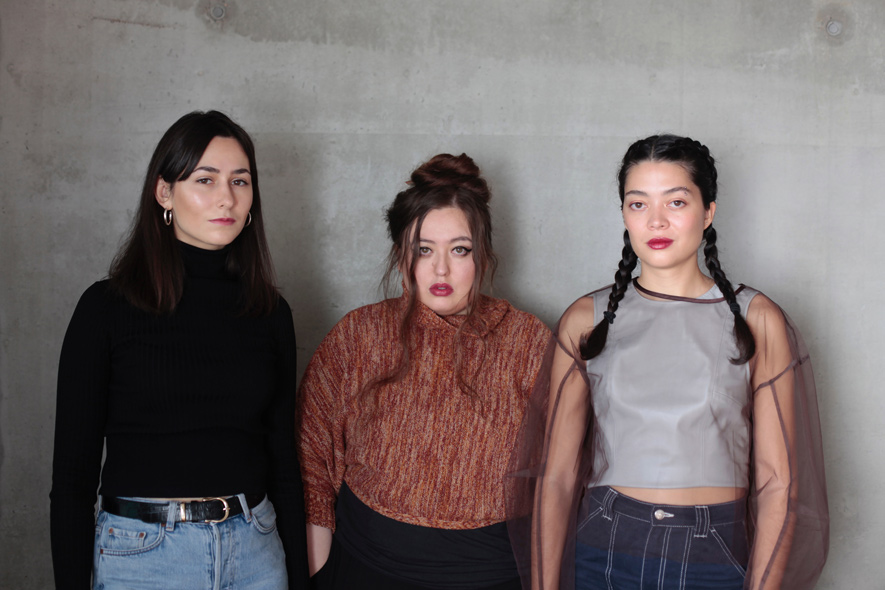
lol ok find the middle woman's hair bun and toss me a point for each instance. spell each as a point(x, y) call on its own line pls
point(446, 170)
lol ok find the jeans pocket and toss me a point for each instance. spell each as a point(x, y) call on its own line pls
point(733, 542)
point(264, 517)
point(118, 535)
point(593, 514)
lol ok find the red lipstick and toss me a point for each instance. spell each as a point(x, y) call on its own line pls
point(441, 290)
point(659, 243)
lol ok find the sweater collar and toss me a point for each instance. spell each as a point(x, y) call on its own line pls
point(491, 312)
point(204, 264)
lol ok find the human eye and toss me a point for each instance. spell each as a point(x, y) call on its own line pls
point(636, 206)
point(424, 251)
point(677, 203)
point(241, 182)
point(204, 180)
point(462, 250)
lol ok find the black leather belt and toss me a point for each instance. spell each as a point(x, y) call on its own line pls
point(208, 510)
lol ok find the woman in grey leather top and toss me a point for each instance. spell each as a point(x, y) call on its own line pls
point(674, 441)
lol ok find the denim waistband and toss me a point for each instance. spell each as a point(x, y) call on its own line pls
point(670, 515)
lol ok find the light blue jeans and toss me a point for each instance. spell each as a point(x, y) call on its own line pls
point(242, 553)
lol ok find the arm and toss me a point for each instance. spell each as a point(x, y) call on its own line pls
point(567, 421)
point(792, 518)
point(319, 545)
point(80, 415)
point(320, 441)
point(284, 483)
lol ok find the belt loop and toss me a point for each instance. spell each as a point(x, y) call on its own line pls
point(702, 521)
point(171, 515)
point(607, 502)
point(247, 512)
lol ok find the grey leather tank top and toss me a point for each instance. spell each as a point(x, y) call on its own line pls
point(672, 410)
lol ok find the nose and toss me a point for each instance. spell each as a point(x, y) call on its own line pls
point(442, 266)
point(226, 197)
point(657, 218)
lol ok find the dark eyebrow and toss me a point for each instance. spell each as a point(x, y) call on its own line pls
point(669, 191)
point(458, 239)
point(677, 189)
point(217, 171)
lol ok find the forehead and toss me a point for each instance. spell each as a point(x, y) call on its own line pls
point(226, 148)
point(655, 176)
point(445, 224)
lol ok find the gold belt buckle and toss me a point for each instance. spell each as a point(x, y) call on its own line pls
point(226, 509)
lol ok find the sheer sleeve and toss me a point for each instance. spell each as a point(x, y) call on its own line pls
point(790, 521)
point(552, 459)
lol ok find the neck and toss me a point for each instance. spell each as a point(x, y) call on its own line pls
point(681, 282)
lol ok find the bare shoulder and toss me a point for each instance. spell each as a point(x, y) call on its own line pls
point(577, 321)
point(764, 315)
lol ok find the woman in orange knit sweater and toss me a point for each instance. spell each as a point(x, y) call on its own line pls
point(410, 407)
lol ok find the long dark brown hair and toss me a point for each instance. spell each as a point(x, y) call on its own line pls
point(696, 159)
point(443, 181)
point(148, 270)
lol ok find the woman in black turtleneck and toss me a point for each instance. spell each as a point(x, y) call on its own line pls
point(183, 364)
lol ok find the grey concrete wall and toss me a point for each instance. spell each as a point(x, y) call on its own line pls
point(344, 98)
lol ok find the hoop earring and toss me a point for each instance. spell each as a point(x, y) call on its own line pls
point(167, 216)
point(248, 219)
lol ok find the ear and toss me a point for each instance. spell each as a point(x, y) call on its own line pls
point(163, 192)
point(708, 216)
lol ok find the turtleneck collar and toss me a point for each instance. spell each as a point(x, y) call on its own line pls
point(491, 312)
point(204, 264)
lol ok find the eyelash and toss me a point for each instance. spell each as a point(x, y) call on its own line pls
point(235, 182)
point(464, 250)
point(637, 206)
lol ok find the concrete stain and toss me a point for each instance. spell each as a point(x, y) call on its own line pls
point(15, 74)
point(58, 171)
point(119, 21)
point(788, 37)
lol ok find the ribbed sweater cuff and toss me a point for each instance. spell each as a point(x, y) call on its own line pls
point(320, 510)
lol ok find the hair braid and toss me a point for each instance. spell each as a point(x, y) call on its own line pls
point(745, 342)
point(593, 343)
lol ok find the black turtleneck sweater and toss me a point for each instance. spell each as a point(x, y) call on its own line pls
point(196, 403)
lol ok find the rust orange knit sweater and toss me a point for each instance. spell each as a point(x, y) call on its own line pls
point(429, 456)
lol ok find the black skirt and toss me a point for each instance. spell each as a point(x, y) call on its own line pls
point(371, 551)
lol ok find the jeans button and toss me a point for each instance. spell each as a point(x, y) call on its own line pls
point(661, 515)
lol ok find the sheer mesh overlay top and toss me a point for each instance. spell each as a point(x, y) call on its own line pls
point(568, 437)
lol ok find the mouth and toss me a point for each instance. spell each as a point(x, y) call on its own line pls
point(441, 290)
point(659, 243)
point(223, 221)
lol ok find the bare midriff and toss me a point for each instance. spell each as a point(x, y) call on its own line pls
point(683, 496)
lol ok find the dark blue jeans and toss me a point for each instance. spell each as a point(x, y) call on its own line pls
point(627, 544)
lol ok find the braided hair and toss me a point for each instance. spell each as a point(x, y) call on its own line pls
point(696, 159)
